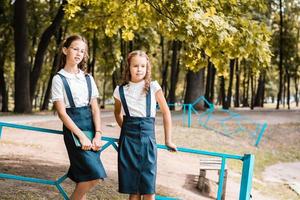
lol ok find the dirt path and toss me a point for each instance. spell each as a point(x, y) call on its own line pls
point(283, 173)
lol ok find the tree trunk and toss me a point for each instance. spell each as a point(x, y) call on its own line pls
point(252, 90)
point(22, 68)
point(91, 65)
point(237, 85)
point(123, 54)
point(248, 87)
point(6, 37)
point(42, 96)
point(164, 84)
point(36, 98)
point(174, 72)
point(42, 48)
point(104, 88)
point(296, 90)
point(195, 88)
point(248, 75)
point(280, 54)
point(283, 92)
point(130, 45)
point(208, 83)
point(288, 79)
point(244, 84)
point(222, 94)
point(263, 91)
point(58, 39)
point(259, 97)
point(296, 75)
point(106, 57)
point(212, 82)
point(33, 43)
point(229, 90)
point(164, 66)
point(3, 90)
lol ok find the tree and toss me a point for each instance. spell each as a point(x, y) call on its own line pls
point(237, 85)
point(42, 48)
point(220, 29)
point(22, 67)
point(280, 54)
point(6, 32)
point(229, 91)
point(176, 45)
point(209, 85)
point(58, 39)
point(195, 87)
point(285, 45)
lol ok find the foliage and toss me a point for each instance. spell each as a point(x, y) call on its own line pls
point(220, 30)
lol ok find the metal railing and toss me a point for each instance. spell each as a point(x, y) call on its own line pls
point(208, 117)
point(247, 161)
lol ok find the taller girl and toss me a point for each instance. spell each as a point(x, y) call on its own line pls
point(135, 109)
point(74, 94)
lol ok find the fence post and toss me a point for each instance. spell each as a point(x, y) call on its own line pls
point(183, 115)
point(263, 129)
point(190, 116)
point(247, 173)
point(221, 179)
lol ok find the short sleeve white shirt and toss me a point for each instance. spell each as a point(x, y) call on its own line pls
point(78, 86)
point(136, 98)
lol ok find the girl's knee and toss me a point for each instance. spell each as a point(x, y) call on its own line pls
point(149, 197)
point(134, 197)
point(93, 183)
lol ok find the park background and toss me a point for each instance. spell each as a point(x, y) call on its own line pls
point(243, 56)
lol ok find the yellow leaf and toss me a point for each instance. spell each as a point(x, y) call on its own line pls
point(208, 52)
point(128, 35)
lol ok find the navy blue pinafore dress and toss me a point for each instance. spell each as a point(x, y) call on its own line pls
point(84, 165)
point(137, 153)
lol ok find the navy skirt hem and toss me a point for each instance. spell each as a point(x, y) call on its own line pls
point(89, 178)
point(135, 192)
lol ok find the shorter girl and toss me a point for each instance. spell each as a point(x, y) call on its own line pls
point(135, 108)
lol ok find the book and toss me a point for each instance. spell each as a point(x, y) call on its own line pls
point(90, 135)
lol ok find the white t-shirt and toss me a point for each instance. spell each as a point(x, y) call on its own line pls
point(78, 87)
point(136, 98)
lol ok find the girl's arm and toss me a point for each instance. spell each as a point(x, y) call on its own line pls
point(117, 112)
point(166, 119)
point(68, 122)
point(97, 122)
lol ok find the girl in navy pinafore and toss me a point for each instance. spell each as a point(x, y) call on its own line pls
point(74, 94)
point(85, 165)
point(135, 104)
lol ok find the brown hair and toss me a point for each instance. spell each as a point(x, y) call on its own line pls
point(127, 75)
point(67, 42)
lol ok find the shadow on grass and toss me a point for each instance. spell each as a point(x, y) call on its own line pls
point(19, 190)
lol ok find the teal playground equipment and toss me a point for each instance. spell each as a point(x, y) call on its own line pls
point(221, 121)
point(246, 179)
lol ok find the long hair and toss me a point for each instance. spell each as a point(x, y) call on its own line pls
point(127, 75)
point(67, 42)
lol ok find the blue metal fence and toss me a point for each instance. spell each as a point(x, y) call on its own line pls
point(247, 161)
point(208, 117)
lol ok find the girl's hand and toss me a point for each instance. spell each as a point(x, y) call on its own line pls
point(85, 143)
point(96, 143)
point(171, 146)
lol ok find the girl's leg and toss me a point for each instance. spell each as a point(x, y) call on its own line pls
point(149, 197)
point(82, 188)
point(134, 197)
